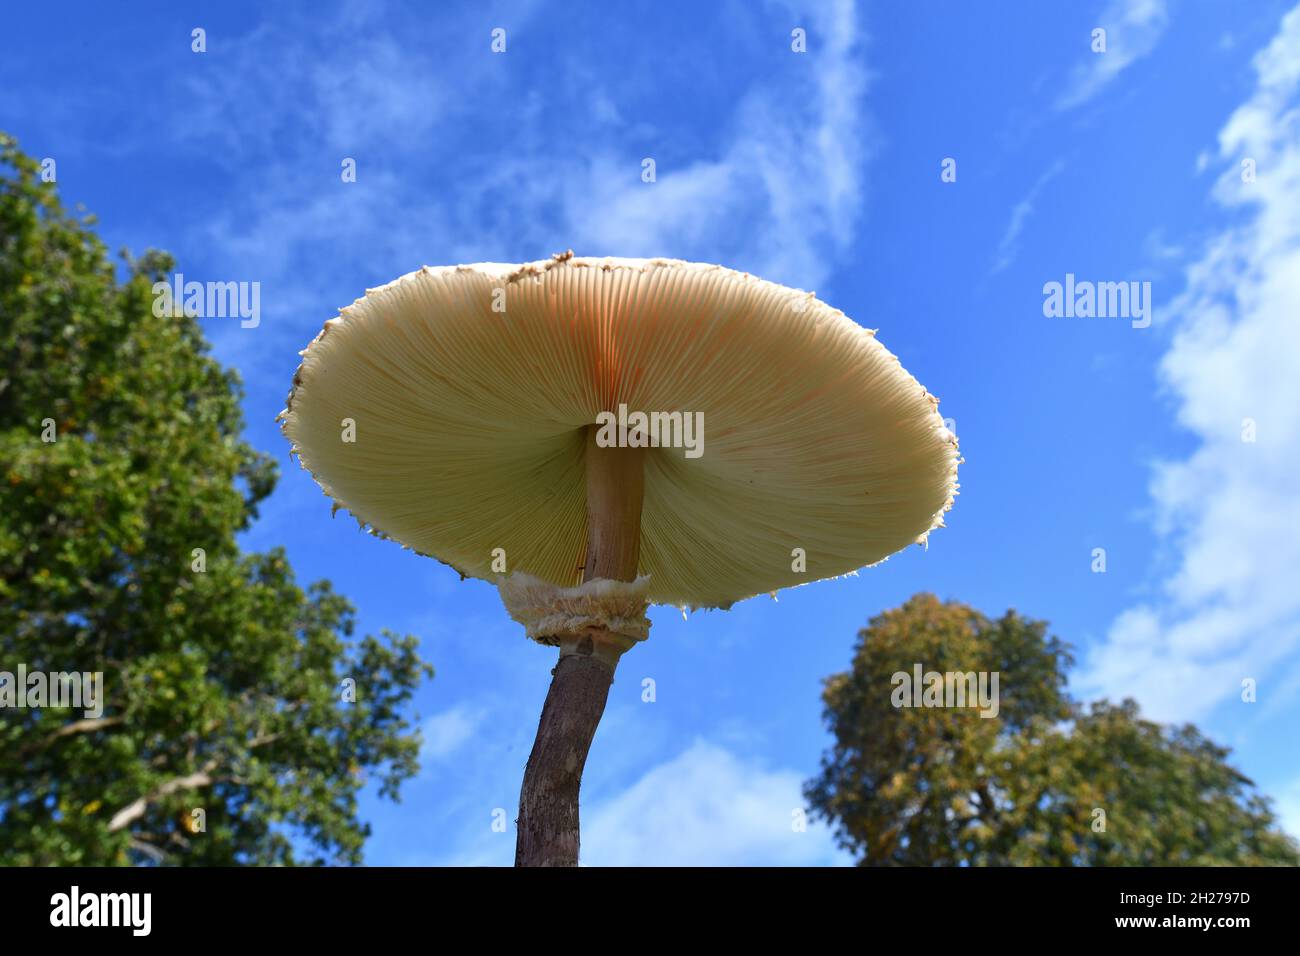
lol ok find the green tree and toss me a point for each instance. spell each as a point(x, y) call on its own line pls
point(1044, 782)
point(123, 483)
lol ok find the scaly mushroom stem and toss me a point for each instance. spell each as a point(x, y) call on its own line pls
point(548, 800)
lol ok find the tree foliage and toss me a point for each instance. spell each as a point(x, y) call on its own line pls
point(1045, 782)
point(223, 679)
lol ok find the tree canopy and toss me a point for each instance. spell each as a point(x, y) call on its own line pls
point(1047, 781)
point(228, 732)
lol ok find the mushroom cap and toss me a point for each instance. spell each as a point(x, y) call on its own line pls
point(469, 423)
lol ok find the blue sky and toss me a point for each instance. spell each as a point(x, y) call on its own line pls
point(820, 170)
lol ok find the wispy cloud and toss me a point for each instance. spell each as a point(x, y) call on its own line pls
point(706, 807)
point(1009, 246)
point(777, 188)
point(780, 195)
point(1230, 609)
point(447, 732)
point(1133, 28)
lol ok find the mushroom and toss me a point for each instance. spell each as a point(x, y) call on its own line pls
point(597, 435)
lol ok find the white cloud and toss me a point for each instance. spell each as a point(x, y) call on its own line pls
point(779, 197)
point(445, 733)
point(1133, 28)
point(1009, 246)
point(706, 807)
point(1231, 608)
point(776, 190)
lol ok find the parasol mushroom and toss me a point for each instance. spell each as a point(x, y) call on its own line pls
point(531, 426)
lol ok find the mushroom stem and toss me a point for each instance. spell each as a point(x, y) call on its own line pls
point(615, 489)
point(548, 800)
